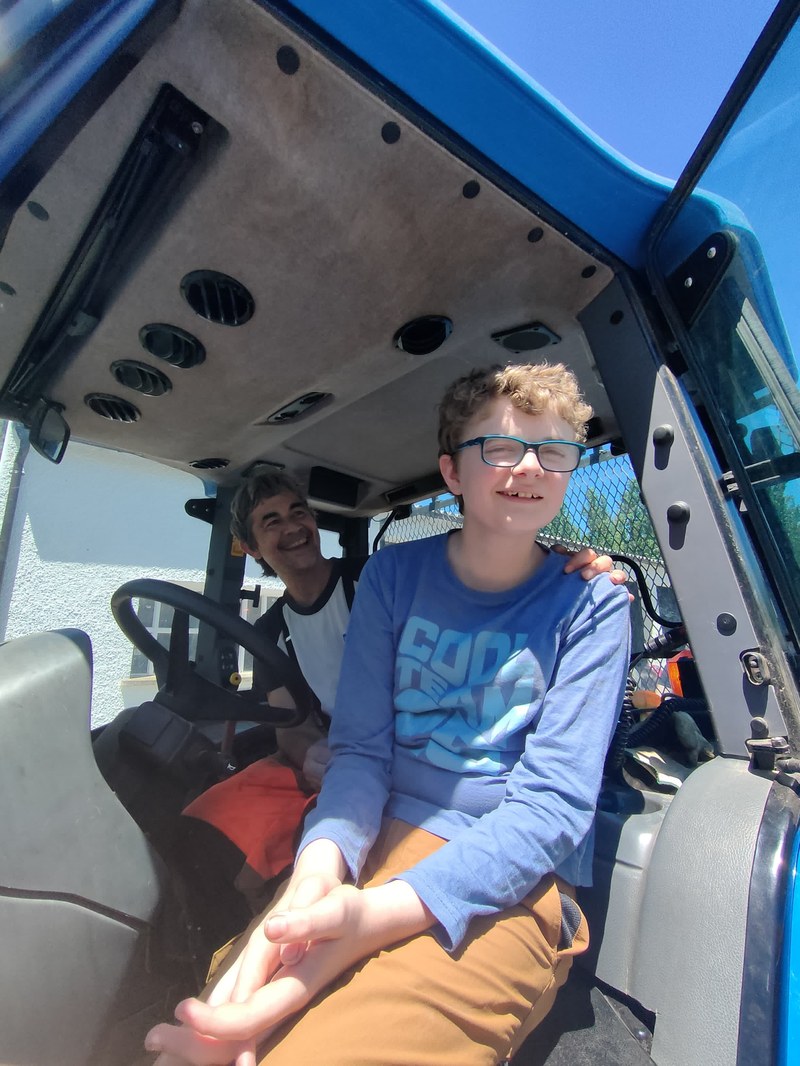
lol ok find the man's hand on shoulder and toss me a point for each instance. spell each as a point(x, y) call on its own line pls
point(590, 564)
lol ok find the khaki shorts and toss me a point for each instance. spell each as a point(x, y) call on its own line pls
point(415, 1004)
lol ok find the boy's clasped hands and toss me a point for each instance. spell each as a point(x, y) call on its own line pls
point(318, 928)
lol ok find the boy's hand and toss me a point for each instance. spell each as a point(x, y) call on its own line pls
point(590, 564)
point(240, 991)
point(343, 926)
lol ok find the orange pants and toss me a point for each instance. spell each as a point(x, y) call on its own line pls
point(414, 1004)
point(260, 810)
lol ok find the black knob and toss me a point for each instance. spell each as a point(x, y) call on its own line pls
point(759, 728)
point(663, 435)
point(678, 513)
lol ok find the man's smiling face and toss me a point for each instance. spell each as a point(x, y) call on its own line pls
point(284, 533)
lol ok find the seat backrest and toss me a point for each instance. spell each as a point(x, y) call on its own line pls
point(79, 884)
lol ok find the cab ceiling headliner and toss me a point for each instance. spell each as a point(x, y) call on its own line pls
point(340, 237)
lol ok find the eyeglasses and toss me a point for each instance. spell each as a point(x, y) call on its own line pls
point(561, 456)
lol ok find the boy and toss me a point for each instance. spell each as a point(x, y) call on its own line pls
point(260, 809)
point(479, 690)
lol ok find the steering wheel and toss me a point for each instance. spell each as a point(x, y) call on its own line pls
point(180, 686)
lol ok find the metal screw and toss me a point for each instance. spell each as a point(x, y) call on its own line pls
point(712, 251)
point(197, 128)
point(688, 282)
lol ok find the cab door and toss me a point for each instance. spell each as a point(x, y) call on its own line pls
point(723, 263)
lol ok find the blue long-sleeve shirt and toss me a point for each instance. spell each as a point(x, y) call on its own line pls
point(483, 717)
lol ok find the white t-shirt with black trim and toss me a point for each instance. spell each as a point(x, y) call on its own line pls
point(314, 635)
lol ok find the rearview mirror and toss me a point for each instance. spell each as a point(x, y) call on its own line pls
point(49, 432)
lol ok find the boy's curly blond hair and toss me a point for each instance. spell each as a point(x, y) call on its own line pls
point(532, 387)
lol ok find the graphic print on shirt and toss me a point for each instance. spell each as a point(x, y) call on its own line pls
point(461, 697)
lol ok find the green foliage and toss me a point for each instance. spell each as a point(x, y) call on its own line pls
point(637, 529)
point(784, 522)
point(610, 525)
point(562, 530)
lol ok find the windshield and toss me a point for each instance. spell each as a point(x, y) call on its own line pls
point(730, 261)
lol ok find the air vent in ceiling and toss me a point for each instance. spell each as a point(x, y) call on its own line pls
point(209, 464)
point(175, 346)
point(290, 412)
point(218, 297)
point(145, 379)
point(113, 408)
point(424, 335)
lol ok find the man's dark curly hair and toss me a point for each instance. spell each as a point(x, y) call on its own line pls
point(259, 486)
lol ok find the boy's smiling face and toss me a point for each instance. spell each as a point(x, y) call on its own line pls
point(520, 499)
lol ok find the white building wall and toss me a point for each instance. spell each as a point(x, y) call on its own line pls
point(80, 530)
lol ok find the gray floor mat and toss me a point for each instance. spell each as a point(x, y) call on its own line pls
point(583, 1029)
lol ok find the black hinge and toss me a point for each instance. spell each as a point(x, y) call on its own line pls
point(203, 509)
point(694, 281)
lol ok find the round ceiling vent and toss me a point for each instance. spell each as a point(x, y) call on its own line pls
point(528, 338)
point(113, 408)
point(175, 346)
point(145, 379)
point(209, 464)
point(218, 297)
point(424, 335)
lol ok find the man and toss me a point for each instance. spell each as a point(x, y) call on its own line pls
point(274, 524)
point(261, 808)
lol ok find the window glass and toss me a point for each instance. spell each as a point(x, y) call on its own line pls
point(76, 533)
point(744, 332)
point(157, 618)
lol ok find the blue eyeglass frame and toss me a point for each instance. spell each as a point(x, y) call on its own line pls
point(529, 445)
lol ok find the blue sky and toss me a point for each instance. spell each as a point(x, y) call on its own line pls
point(646, 75)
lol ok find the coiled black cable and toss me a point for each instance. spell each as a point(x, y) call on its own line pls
point(653, 725)
point(615, 756)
